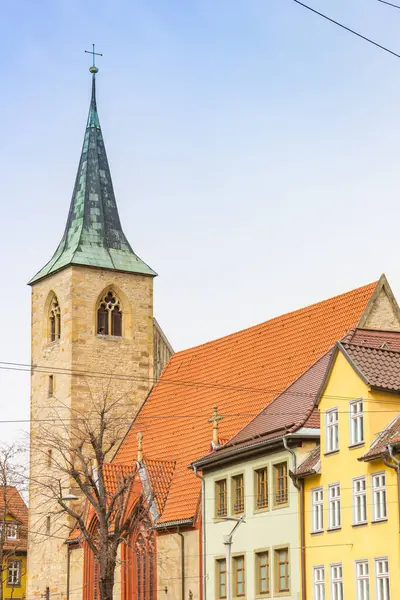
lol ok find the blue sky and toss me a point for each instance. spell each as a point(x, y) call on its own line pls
point(254, 149)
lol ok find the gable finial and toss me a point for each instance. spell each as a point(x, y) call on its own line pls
point(215, 419)
point(93, 69)
point(140, 446)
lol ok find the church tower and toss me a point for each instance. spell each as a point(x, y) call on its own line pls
point(92, 327)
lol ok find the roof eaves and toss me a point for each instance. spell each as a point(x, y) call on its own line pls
point(328, 372)
point(216, 459)
point(172, 524)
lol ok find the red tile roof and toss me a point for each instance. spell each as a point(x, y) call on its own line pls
point(241, 374)
point(379, 367)
point(290, 411)
point(309, 466)
point(16, 509)
point(160, 474)
point(390, 435)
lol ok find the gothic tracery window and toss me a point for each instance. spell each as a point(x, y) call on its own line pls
point(145, 568)
point(55, 319)
point(109, 315)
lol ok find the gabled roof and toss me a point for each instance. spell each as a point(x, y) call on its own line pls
point(17, 510)
point(240, 373)
point(372, 354)
point(378, 367)
point(390, 435)
point(93, 234)
point(290, 412)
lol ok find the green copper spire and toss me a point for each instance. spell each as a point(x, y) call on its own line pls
point(93, 235)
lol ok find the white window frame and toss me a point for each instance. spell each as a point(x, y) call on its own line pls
point(317, 513)
point(379, 496)
point(334, 506)
point(363, 590)
point(336, 580)
point(381, 575)
point(356, 425)
point(332, 425)
point(319, 582)
point(359, 500)
point(14, 572)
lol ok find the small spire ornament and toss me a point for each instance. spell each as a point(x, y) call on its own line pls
point(215, 419)
point(140, 446)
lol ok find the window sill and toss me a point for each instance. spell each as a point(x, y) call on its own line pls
point(278, 506)
point(360, 524)
point(111, 338)
point(379, 521)
point(53, 344)
point(281, 594)
point(258, 511)
point(332, 452)
point(355, 446)
point(333, 529)
point(317, 532)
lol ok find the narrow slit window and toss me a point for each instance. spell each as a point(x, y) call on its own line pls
point(51, 385)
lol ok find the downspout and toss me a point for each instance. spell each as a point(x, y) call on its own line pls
point(299, 484)
point(203, 531)
point(182, 562)
point(68, 569)
point(396, 466)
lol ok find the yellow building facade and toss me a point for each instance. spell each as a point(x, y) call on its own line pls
point(13, 524)
point(351, 492)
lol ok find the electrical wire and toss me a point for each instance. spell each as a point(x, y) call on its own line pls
point(389, 3)
point(363, 37)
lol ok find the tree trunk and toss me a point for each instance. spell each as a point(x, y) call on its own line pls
point(107, 581)
point(2, 578)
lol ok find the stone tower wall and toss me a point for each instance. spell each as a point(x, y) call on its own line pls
point(80, 349)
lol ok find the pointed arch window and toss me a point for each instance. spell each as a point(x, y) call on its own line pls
point(145, 568)
point(55, 319)
point(109, 315)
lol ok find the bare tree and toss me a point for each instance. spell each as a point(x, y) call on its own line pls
point(13, 512)
point(111, 503)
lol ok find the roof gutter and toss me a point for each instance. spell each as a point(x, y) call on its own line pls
point(216, 459)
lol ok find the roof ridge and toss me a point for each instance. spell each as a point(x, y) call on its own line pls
point(384, 350)
point(276, 318)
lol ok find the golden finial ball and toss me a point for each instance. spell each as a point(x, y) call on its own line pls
point(94, 70)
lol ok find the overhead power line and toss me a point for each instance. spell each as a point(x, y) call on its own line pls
point(53, 370)
point(363, 37)
point(389, 3)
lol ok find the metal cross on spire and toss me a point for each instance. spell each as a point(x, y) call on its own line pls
point(93, 69)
